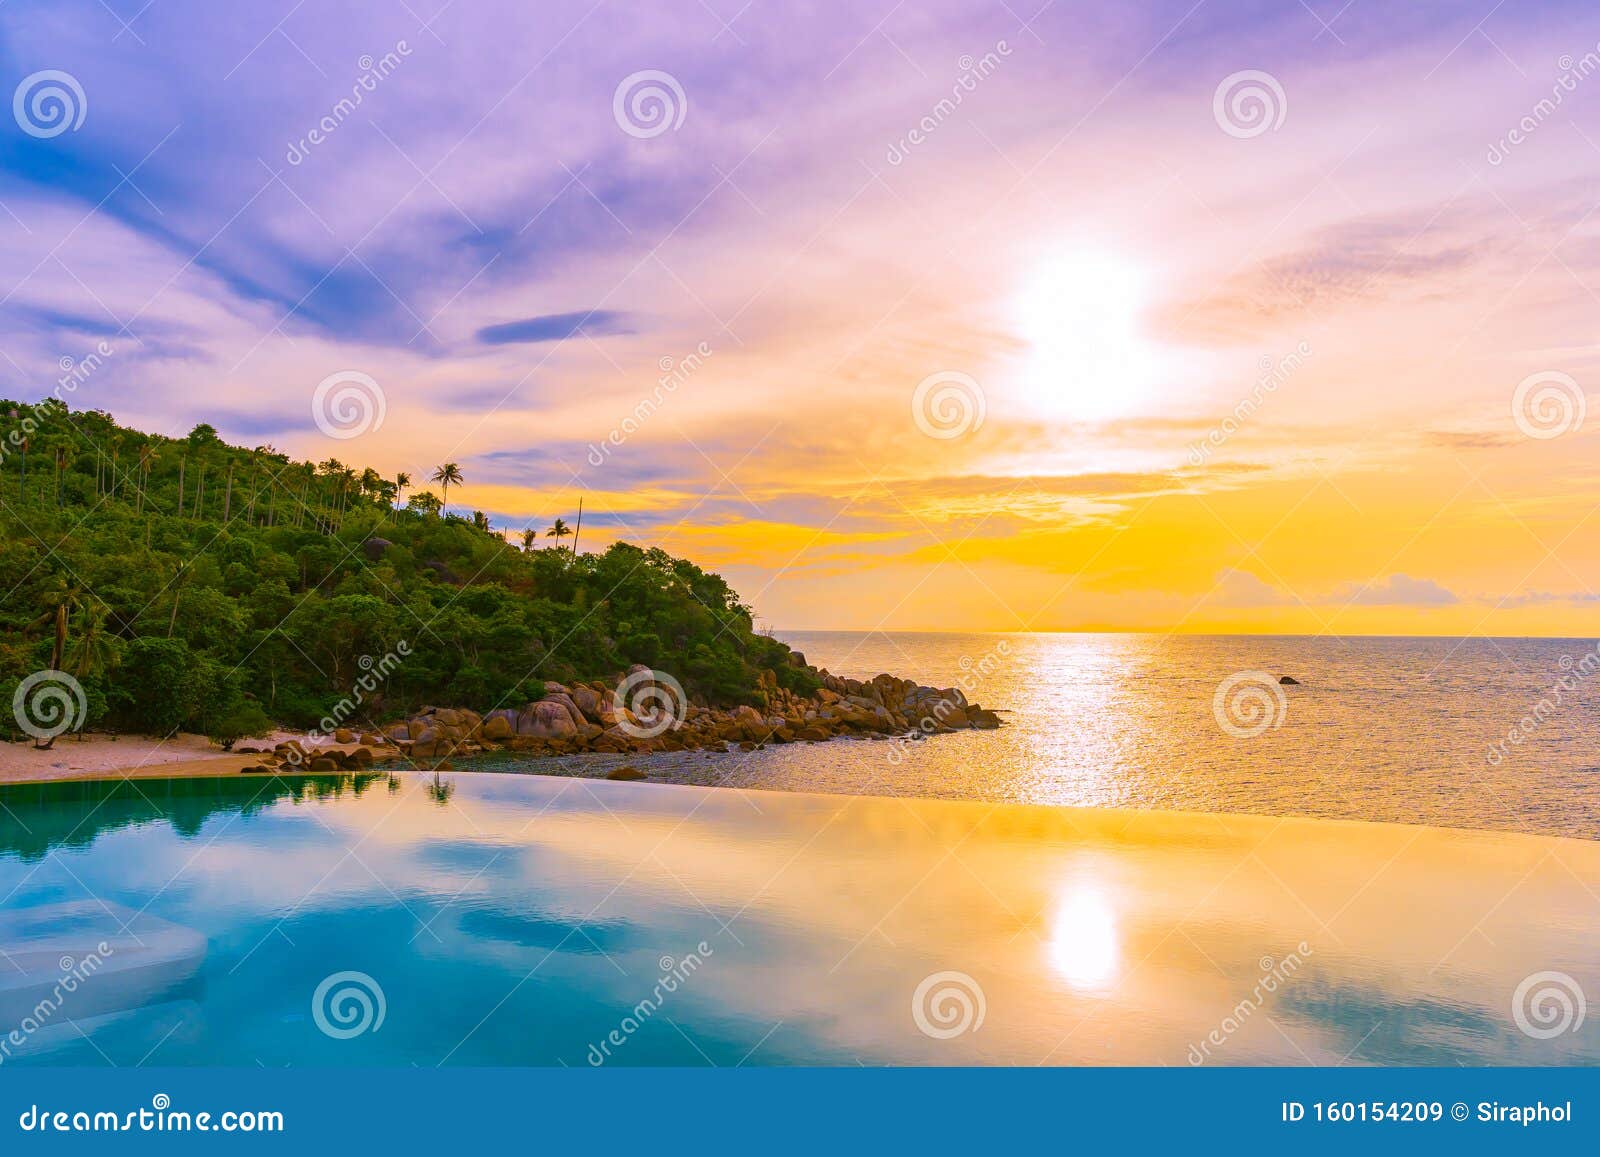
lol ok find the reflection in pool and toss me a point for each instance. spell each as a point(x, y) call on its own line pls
point(511, 920)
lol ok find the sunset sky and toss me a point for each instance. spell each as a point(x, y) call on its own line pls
point(1054, 218)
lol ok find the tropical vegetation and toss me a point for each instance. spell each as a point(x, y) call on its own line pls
point(186, 583)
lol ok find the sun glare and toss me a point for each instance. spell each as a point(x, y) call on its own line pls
point(1083, 939)
point(1081, 314)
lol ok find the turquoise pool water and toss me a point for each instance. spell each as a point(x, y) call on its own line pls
point(518, 920)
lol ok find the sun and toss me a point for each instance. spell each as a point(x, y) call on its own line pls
point(1081, 312)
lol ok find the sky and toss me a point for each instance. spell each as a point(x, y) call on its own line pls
point(1197, 317)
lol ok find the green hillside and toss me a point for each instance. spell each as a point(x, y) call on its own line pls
point(187, 583)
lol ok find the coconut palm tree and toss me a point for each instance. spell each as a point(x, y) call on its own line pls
point(145, 455)
point(348, 481)
point(480, 520)
point(558, 531)
point(95, 646)
point(402, 482)
point(529, 537)
point(447, 475)
point(62, 596)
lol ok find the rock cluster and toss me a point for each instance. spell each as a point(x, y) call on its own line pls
point(590, 717)
point(292, 756)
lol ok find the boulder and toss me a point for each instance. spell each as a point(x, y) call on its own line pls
point(324, 763)
point(931, 710)
point(509, 714)
point(374, 548)
point(442, 572)
point(496, 727)
point(567, 704)
point(1288, 681)
point(588, 702)
point(984, 720)
point(625, 773)
point(546, 720)
point(344, 735)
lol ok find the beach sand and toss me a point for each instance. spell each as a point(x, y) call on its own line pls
point(101, 756)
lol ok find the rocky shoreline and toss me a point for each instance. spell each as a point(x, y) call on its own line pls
point(646, 711)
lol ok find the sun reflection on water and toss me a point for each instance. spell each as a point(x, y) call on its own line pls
point(1084, 945)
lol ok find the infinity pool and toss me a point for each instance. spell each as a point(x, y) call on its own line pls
point(488, 919)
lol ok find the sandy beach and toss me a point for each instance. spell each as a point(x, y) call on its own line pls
point(100, 756)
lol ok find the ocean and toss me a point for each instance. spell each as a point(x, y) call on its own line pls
point(1404, 730)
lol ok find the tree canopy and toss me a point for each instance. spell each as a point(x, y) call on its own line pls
point(210, 587)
